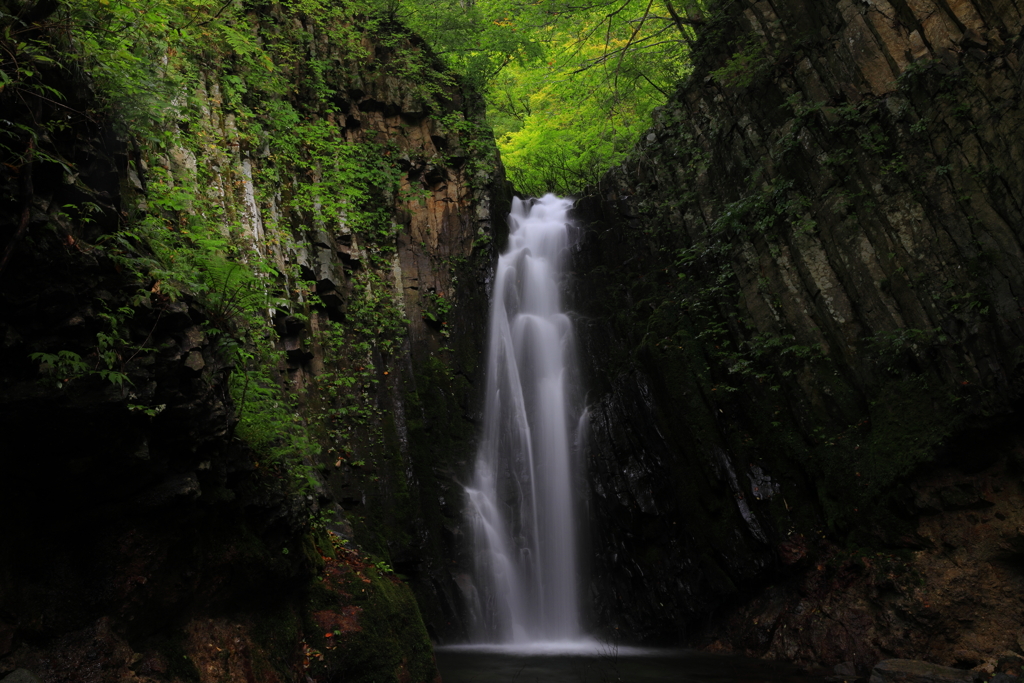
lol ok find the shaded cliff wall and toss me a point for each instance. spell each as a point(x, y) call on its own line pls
point(253, 284)
point(801, 294)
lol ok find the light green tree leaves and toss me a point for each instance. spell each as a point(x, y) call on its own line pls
point(570, 84)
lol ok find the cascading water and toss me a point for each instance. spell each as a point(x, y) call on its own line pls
point(521, 501)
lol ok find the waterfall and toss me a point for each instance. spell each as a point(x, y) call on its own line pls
point(521, 501)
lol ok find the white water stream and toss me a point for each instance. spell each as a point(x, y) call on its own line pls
point(521, 501)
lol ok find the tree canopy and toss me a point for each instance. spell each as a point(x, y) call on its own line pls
point(570, 84)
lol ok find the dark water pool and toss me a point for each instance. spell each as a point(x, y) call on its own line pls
point(609, 665)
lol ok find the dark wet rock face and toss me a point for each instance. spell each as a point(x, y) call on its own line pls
point(143, 539)
point(798, 303)
point(121, 524)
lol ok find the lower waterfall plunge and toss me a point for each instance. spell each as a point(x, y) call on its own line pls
point(521, 500)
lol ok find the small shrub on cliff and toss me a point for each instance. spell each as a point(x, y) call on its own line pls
point(747, 64)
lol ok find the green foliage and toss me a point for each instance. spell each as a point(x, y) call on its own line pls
point(383, 567)
point(105, 360)
point(759, 210)
point(196, 87)
point(65, 365)
point(374, 317)
point(269, 422)
point(437, 309)
point(569, 87)
point(747, 64)
point(893, 350)
point(122, 44)
point(477, 141)
point(233, 292)
point(24, 62)
point(345, 391)
point(348, 183)
point(476, 39)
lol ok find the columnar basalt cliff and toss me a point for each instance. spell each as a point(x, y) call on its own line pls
point(238, 374)
point(800, 298)
point(243, 284)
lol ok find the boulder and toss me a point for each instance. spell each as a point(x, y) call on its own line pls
point(913, 671)
point(845, 669)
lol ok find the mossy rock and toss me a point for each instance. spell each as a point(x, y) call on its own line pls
point(362, 623)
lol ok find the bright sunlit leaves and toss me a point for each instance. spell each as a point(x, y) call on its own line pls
point(570, 85)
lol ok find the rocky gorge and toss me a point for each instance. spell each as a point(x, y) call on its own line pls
point(811, 272)
point(798, 300)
